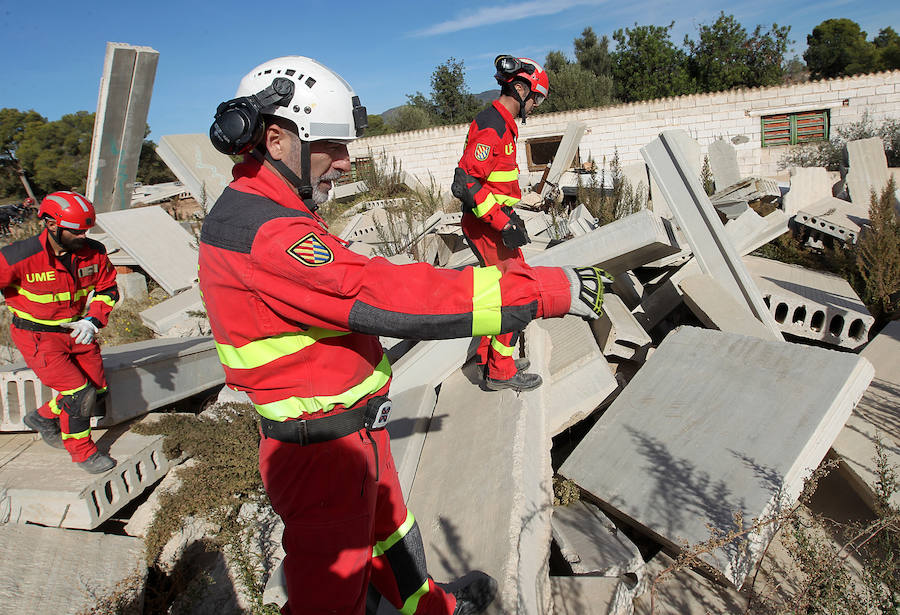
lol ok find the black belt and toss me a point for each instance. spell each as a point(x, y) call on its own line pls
point(30, 325)
point(310, 431)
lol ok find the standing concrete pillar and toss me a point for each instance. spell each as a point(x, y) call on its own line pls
point(122, 106)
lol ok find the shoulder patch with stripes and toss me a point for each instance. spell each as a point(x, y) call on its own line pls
point(482, 152)
point(311, 251)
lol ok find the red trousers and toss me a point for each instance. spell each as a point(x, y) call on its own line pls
point(65, 366)
point(345, 524)
point(487, 244)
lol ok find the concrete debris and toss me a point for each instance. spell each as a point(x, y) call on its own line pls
point(39, 484)
point(811, 304)
point(731, 208)
point(132, 286)
point(868, 169)
point(835, 217)
point(712, 250)
point(591, 544)
point(749, 189)
point(760, 415)
point(581, 221)
point(619, 333)
point(144, 514)
point(411, 418)
point(717, 309)
point(52, 570)
point(723, 163)
point(120, 124)
point(750, 231)
point(687, 593)
point(875, 418)
point(204, 170)
point(158, 193)
point(808, 185)
point(166, 251)
point(181, 311)
point(565, 153)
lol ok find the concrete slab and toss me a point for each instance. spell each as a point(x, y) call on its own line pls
point(698, 220)
point(618, 332)
point(580, 378)
point(504, 468)
point(161, 317)
point(166, 251)
point(723, 163)
point(592, 545)
point(836, 217)
point(591, 596)
point(564, 155)
point(808, 185)
point(636, 176)
point(411, 417)
point(717, 309)
point(876, 417)
point(749, 231)
point(687, 593)
point(204, 170)
point(732, 208)
point(868, 169)
point(51, 570)
point(581, 221)
point(142, 376)
point(714, 424)
point(41, 485)
point(121, 120)
point(750, 189)
point(658, 203)
point(811, 304)
point(628, 288)
point(132, 286)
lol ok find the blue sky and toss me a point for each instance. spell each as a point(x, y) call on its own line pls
point(53, 51)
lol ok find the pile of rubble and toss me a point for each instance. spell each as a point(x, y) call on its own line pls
point(681, 407)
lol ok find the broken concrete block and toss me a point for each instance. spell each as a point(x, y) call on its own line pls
point(579, 376)
point(687, 593)
point(591, 544)
point(868, 169)
point(618, 332)
point(875, 418)
point(750, 189)
point(723, 163)
point(636, 176)
point(166, 251)
point(161, 317)
point(718, 309)
point(53, 570)
point(835, 217)
point(565, 152)
point(698, 220)
point(591, 596)
point(712, 425)
point(41, 485)
point(628, 288)
point(144, 514)
point(808, 185)
point(132, 286)
point(508, 449)
point(811, 304)
point(749, 231)
point(581, 221)
point(731, 208)
point(204, 170)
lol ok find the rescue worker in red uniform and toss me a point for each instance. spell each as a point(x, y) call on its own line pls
point(296, 318)
point(487, 181)
point(48, 280)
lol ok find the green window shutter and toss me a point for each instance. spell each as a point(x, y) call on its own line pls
point(794, 128)
point(811, 126)
point(776, 130)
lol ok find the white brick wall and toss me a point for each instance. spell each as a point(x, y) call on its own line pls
point(628, 127)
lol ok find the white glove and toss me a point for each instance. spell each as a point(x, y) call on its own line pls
point(82, 330)
point(586, 286)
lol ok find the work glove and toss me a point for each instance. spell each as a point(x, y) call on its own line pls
point(586, 287)
point(82, 330)
point(514, 234)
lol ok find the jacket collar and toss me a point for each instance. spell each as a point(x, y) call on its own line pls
point(253, 177)
point(508, 118)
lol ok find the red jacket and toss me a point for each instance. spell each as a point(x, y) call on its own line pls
point(296, 315)
point(490, 156)
point(39, 289)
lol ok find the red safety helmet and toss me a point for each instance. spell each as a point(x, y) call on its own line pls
point(29, 202)
point(69, 210)
point(526, 70)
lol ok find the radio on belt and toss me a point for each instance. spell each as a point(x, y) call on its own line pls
point(378, 411)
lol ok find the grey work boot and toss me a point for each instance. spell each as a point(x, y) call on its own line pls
point(98, 463)
point(476, 596)
point(522, 381)
point(48, 428)
point(523, 363)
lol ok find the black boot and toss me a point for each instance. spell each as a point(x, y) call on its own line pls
point(98, 463)
point(48, 428)
point(522, 381)
point(523, 363)
point(475, 597)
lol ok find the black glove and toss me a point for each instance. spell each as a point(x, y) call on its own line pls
point(514, 234)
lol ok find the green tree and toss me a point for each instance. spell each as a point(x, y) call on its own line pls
point(57, 153)
point(887, 47)
point(555, 61)
point(646, 64)
point(726, 57)
point(453, 103)
point(411, 117)
point(838, 47)
point(377, 126)
point(575, 87)
point(14, 125)
point(593, 53)
point(878, 252)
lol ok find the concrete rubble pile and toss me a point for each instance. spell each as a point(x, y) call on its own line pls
point(696, 396)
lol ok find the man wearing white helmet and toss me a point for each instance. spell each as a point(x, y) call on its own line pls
point(296, 318)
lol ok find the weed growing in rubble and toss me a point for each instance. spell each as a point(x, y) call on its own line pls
point(565, 491)
point(706, 178)
point(125, 324)
point(125, 598)
point(607, 206)
point(224, 480)
point(878, 253)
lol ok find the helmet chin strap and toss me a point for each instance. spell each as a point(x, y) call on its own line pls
point(303, 183)
point(521, 101)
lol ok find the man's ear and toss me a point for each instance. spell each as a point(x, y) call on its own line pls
point(277, 141)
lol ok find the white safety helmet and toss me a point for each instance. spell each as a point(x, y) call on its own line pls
point(323, 106)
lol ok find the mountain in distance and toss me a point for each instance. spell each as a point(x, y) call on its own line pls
point(483, 97)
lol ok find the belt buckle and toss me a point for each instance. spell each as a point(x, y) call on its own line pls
point(378, 412)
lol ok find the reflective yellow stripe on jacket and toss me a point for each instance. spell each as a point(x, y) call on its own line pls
point(41, 321)
point(260, 352)
point(52, 297)
point(485, 206)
